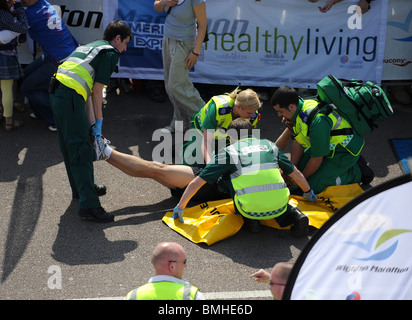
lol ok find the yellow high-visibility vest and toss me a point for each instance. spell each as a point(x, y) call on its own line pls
point(163, 290)
point(77, 73)
point(260, 191)
point(224, 107)
point(300, 128)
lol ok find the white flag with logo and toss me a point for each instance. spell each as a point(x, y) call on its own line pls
point(362, 252)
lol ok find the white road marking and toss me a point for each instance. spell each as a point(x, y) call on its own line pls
point(237, 295)
point(230, 295)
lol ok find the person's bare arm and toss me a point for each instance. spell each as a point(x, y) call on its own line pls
point(207, 145)
point(159, 5)
point(190, 191)
point(300, 180)
point(283, 140)
point(200, 13)
point(97, 99)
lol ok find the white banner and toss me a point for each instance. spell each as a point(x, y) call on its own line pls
point(266, 43)
point(397, 63)
point(362, 252)
point(244, 34)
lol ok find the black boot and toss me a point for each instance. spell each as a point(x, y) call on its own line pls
point(96, 214)
point(300, 222)
point(251, 225)
point(366, 171)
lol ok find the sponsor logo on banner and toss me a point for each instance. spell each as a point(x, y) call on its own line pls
point(375, 252)
point(353, 296)
point(405, 26)
point(398, 62)
point(238, 36)
point(234, 57)
point(81, 18)
point(345, 62)
point(274, 59)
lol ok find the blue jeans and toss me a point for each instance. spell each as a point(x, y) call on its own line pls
point(35, 87)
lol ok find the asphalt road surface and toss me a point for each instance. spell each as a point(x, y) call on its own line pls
point(47, 252)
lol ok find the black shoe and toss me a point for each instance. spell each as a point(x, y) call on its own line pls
point(96, 214)
point(366, 171)
point(251, 225)
point(100, 190)
point(300, 222)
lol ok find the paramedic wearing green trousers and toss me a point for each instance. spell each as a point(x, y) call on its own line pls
point(327, 152)
point(251, 170)
point(210, 123)
point(81, 76)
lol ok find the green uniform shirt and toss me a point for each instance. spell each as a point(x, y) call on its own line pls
point(220, 167)
point(210, 121)
point(104, 65)
point(319, 131)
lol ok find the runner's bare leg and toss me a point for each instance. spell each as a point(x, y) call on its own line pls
point(169, 175)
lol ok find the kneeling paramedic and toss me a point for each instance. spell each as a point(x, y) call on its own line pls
point(250, 170)
point(325, 148)
point(210, 123)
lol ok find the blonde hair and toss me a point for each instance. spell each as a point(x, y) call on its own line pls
point(247, 99)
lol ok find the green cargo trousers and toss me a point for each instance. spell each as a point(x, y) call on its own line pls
point(75, 145)
point(341, 169)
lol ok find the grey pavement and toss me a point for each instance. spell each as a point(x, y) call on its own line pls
point(42, 239)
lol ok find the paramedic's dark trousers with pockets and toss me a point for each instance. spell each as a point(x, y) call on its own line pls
point(75, 145)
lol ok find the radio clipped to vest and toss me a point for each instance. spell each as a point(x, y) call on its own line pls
point(363, 104)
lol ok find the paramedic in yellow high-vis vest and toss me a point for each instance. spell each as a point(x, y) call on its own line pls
point(169, 262)
point(328, 150)
point(250, 170)
point(82, 76)
point(210, 123)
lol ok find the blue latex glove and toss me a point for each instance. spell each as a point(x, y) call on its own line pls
point(310, 196)
point(97, 129)
point(178, 213)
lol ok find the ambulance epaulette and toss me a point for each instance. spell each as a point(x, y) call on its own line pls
point(225, 110)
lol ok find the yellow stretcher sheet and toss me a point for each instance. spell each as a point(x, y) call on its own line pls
point(213, 221)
